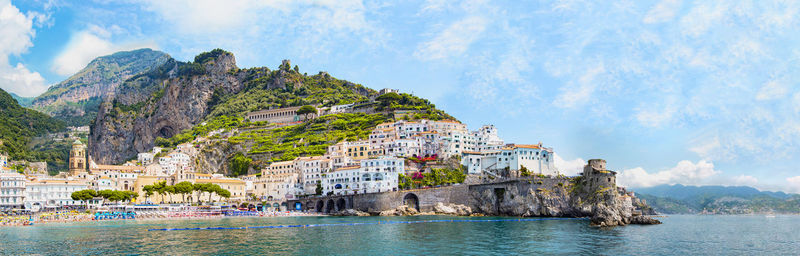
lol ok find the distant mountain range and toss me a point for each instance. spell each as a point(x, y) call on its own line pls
point(23, 101)
point(680, 199)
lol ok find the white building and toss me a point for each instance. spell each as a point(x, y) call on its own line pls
point(403, 148)
point(371, 176)
point(3, 160)
point(52, 194)
point(145, 158)
point(388, 90)
point(342, 181)
point(12, 189)
point(381, 174)
point(535, 158)
point(310, 171)
point(344, 108)
point(457, 141)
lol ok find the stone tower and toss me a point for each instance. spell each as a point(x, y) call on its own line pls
point(77, 158)
point(596, 177)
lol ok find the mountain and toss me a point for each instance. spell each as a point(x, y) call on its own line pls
point(678, 198)
point(76, 100)
point(23, 101)
point(19, 125)
point(179, 101)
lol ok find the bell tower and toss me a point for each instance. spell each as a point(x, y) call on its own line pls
point(77, 158)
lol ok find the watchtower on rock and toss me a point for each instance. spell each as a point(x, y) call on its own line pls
point(597, 177)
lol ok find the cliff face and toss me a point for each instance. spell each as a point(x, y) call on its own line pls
point(75, 100)
point(555, 197)
point(178, 103)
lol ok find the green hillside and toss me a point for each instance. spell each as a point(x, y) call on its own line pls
point(284, 87)
point(18, 126)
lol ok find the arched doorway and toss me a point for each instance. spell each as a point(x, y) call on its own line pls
point(329, 207)
point(320, 204)
point(341, 204)
point(411, 200)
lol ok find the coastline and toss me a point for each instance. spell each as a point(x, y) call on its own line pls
point(75, 217)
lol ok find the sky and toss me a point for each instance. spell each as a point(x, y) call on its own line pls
point(670, 91)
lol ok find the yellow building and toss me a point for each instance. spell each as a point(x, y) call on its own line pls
point(237, 188)
point(358, 150)
point(142, 181)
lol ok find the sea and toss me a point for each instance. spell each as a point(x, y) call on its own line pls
point(416, 235)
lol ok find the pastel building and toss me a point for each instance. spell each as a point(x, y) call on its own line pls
point(12, 189)
point(52, 194)
point(342, 181)
point(237, 188)
point(536, 158)
point(381, 174)
point(370, 176)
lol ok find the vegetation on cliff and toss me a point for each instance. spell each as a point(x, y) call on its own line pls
point(226, 93)
point(18, 126)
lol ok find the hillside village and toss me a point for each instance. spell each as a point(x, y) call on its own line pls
point(398, 154)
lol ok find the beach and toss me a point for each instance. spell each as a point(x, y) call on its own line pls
point(84, 216)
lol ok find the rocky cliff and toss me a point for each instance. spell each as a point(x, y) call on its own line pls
point(179, 99)
point(76, 99)
point(557, 197)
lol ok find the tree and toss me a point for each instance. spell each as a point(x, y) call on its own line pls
point(169, 190)
point(224, 193)
point(130, 195)
point(306, 110)
point(200, 188)
point(318, 191)
point(160, 188)
point(239, 164)
point(84, 195)
point(183, 188)
point(524, 172)
point(388, 99)
point(211, 189)
point(148, 191)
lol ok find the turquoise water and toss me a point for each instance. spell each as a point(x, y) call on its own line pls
point(679, 235)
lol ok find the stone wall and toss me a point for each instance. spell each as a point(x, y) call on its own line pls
point(377, 202)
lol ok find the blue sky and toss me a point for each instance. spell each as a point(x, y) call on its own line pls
point(667, 91)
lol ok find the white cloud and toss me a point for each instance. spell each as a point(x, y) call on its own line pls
point(745, 180)
point(685, 172)
point(772, 90)
point(654, 115)
point(582, 92)
point(16, 34)
point(794, 184)
point(86, 45)
point(309, 27)
point(453, 40)
point(663, 11)
point(571, 167)
point(210, 16)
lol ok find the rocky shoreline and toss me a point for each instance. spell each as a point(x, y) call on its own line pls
point(604, 217)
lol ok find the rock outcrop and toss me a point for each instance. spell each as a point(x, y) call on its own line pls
point(180, 103)
point(452, 209)
point(350, 212)
point(556, 197)
point(402, 210)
